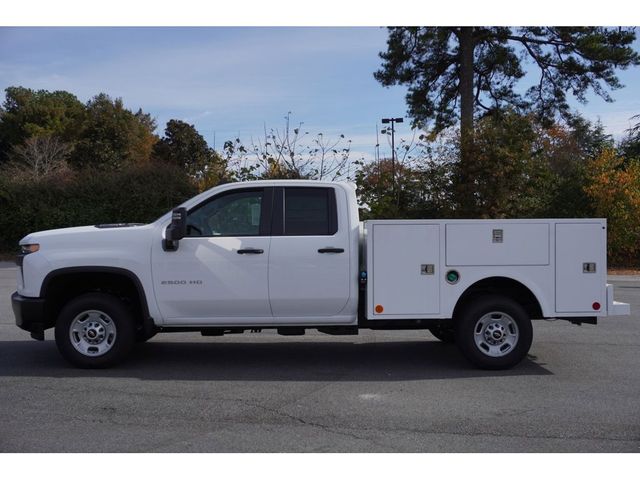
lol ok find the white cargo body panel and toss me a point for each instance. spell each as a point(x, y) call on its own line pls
point(407, 262)
point(581, 267)
point(497, 243)
point(406, 272)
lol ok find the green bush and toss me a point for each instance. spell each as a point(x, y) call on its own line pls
point(88, 197)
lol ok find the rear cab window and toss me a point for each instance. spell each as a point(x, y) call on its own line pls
point(305, 211)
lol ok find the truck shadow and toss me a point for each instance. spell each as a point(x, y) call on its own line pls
point(260, 361)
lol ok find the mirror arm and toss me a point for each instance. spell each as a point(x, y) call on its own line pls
point(170, 245)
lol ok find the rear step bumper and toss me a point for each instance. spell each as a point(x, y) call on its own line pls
point(613, 307)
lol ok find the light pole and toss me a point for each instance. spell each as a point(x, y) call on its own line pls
point(393, 122)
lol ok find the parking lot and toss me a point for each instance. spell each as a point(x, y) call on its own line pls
point(579, 390)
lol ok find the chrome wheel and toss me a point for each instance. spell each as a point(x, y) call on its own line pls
point(92, 333)
point(496, 334)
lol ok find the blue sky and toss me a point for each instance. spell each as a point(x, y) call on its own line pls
point(232, 81)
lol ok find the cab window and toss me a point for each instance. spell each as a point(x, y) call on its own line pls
point(232, 214)
point(309, 211)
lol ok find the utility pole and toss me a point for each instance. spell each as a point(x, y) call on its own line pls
point(393, 121)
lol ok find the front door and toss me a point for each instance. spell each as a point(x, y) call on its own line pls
point(219, 273)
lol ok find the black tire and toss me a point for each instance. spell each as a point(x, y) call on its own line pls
point(493, 315)
point(91, 314)
point(446, 335)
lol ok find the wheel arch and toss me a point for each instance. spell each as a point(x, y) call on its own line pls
point(60, 285)
point(501, 285)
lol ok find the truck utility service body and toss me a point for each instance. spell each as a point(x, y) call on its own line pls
point(293, 255)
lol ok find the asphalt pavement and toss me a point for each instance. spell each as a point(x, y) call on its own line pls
point(578, 391)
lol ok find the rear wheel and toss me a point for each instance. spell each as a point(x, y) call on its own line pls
point(494, 332)
point(95, 330)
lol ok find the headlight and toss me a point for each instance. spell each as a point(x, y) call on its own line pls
point(29, 248)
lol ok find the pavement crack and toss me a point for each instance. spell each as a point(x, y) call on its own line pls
point(302, 421)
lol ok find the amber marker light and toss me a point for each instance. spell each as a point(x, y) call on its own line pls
point(29, 248)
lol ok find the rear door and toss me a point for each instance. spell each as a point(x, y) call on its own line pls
point(309, 256)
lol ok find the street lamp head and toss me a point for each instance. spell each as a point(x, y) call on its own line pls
point(398, 120)
point(386, 120)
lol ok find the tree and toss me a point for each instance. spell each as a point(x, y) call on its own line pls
point(183, 146)
point(567, 147)
point(38, 157)
point(454, 72)
point(509, 175)
point(630, 145)
point(113, 136)
point(524, 167)
point(521, 168)
point(26, 113)
point(613, 187)
point(422, 189)
point(289, 153)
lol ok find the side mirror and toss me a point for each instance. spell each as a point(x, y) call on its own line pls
point(176, 230)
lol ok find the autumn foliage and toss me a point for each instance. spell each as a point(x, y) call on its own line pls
point(613, 186)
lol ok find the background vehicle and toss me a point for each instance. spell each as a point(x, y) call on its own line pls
point(293, 255)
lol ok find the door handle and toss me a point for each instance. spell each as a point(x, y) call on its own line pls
point(254, 251)
point(331, 250)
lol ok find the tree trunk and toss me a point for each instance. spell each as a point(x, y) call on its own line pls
point(465, 187)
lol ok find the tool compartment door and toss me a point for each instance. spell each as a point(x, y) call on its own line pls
point(405, 270)
point(490, 243)
point(577, 289)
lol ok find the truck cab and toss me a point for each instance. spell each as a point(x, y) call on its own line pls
point(262, 253)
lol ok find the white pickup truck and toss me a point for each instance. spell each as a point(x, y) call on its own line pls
point(293, 255)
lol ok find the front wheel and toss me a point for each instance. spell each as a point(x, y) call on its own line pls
point(95, 330)
point(494, 332)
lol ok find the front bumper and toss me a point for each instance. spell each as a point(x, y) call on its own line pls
point(29, 313)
